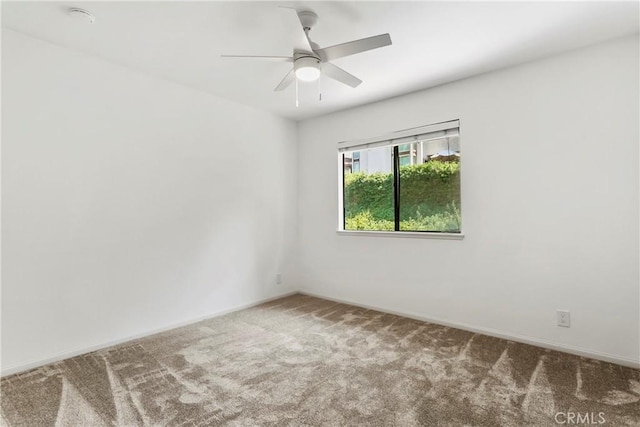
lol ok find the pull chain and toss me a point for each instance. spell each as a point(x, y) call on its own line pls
point(297, 102)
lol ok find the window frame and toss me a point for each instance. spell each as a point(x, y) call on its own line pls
point(388, 140)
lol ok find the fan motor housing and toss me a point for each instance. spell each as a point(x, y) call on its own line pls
point(306, 57)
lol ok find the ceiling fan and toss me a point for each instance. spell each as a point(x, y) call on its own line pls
point(309, 60)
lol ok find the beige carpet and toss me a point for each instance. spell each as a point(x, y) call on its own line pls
point(306, 361)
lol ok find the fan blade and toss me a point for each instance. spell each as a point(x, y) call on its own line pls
point(345, 49)
point(259, 58)
point(286, 81)
point(340, 75)
point(294, 27)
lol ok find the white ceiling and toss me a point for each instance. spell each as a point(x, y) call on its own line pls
point(433, 42)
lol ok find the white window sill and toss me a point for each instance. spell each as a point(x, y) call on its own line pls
point(410, 234)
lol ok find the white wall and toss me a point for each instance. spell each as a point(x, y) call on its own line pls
point(549, 205)
point(131, 203)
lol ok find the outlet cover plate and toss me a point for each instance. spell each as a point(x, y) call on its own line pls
point(564, 318)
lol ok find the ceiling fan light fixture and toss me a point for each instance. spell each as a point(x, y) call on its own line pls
point(307, 68)
point(310, 61)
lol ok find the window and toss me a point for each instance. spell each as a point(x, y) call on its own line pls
point(408, 181)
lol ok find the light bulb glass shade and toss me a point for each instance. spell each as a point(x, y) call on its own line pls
point(307, 68)
point(308, 74)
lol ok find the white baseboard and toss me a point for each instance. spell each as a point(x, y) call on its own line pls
point(66, 355)
point(492, 332)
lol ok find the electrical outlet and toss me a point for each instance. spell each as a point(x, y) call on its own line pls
point(564, 318)
point(278, 278)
